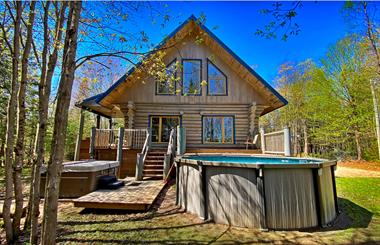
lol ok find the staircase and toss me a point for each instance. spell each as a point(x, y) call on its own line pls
point(154, 164)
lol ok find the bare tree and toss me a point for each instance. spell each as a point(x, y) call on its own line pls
point(49, 63)
point(19, 149)
point(11, 115)
point(54, 168)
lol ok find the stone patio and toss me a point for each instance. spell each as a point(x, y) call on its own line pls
point(135, 195)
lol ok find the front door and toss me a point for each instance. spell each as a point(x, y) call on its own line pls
point(161, 127)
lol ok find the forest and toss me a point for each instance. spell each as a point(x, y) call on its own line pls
point(56, 53)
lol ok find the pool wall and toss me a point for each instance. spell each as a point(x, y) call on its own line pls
point(270, 196)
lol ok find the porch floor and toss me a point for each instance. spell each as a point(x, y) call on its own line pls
point(134, 196)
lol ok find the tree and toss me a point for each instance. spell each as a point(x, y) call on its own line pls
point(60, 123)
point(11, 115)
point(19, 150)
point(366, 16)
point(49, 62)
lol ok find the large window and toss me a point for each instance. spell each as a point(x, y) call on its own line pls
point(217, 81)
point(168, 86)
point(191, 77)
point(161, 127)
point(218, 129)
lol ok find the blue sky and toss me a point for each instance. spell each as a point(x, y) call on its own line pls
point(321, 23)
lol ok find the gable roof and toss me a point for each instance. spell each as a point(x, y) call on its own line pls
point(97, 100)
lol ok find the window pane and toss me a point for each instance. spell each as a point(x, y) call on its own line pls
point(212, 130)
point(218, 129)
point(216, 80)
point(168, 123)
point(228, 130)
point(155, 128)
point(191, 77)
point(167, 86)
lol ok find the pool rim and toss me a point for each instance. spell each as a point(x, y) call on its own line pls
point(320, 164)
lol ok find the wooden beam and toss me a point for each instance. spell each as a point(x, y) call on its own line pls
point(97, 121)
point(79, 136)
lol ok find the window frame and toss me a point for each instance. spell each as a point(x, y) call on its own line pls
point(208, 80)
point(200, 77)
point(160, 124)
point(223, 135)
point(175, 82)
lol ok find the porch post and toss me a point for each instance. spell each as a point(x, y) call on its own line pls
point(181, 140)
point(92, 143)
point(110, 123)
point(97, 121)
point(262, 140)
point(252, 119)
point(287, 151)
point(119, 154)
point(79, 136)
point(130, 114)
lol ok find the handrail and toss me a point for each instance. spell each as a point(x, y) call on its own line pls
point(145, 148)
point(170, 153)
point(142, 156)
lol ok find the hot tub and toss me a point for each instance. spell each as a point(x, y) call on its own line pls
point(279, 193)
point(81, 177)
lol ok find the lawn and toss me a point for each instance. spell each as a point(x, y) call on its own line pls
point(359, 199)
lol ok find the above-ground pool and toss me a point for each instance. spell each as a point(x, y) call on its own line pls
point(281, 193)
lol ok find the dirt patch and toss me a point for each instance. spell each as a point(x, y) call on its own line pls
point(354, 172)
point(364, 165)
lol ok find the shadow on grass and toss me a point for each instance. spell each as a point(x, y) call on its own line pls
point(351, 216)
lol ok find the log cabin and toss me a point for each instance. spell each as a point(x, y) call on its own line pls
point(215, 100)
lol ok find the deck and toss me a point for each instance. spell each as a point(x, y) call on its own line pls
point(134, 196)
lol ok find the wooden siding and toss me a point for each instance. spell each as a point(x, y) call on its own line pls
point(290, 199)
point(191, 119)
point(239, 90)
point(233, 197)
point(326, 192)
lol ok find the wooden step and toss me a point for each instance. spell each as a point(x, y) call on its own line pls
point(155, 157)
point(155, 166)
point(155, 153)
point(152, 171)
point(154, 161)
point(159, 176)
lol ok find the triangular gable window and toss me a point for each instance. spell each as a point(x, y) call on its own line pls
point(217, 80)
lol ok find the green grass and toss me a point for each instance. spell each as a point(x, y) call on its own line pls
point(364, 192)
point(358, 198)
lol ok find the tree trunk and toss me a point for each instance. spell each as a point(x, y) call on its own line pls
point(60, 126)
point(305, 138)
point(44, 90)
point(358, 146)
point(11, 115)
point(373, 43)
point(19, 150)
point(376, 111)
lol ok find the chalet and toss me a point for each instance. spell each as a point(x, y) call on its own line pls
point(216, 101)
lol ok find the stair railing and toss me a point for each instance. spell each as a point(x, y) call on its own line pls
point(142, 156)
point(171, 152)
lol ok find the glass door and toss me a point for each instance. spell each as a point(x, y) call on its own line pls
point(161, 127)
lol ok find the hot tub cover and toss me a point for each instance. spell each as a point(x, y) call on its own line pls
point(87, 166)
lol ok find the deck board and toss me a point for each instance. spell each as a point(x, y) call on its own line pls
point(135, 195)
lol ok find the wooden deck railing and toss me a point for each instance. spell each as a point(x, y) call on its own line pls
point(109, 138)
point(106, 138)
point(134, 138)
point(276, 142)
